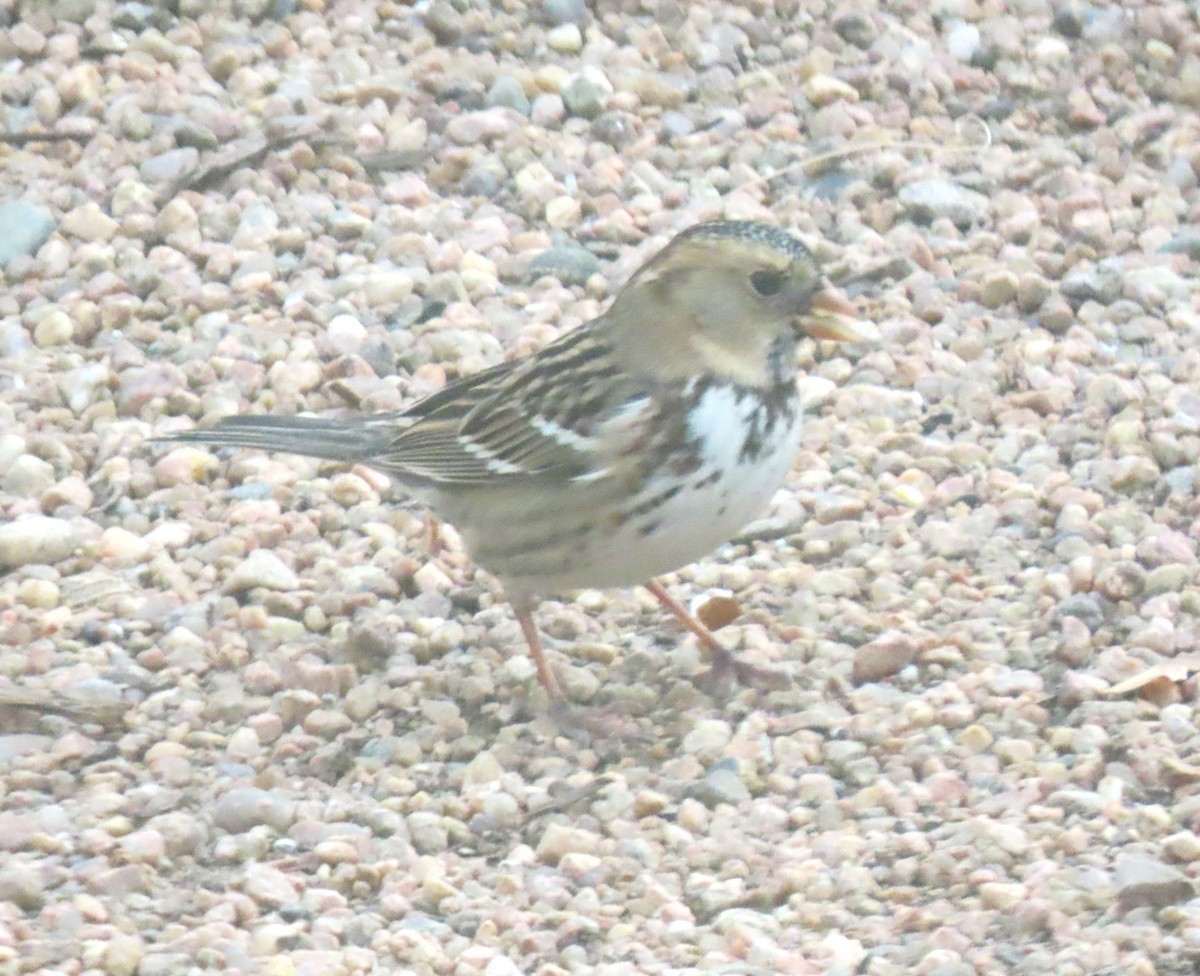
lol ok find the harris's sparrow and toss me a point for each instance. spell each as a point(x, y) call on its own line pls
point(630, 446)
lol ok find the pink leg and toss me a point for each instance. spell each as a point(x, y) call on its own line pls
point(433, 540)
point(724, 665)
point(707, 638)
point(534, 640)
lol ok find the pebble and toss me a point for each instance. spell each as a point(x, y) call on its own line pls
point(558, 840)
point(823, 89)
point(883, 657)
point(508, 92)
point(586, 92)
point(169, 166)
point(24, 227)
point(1147, 882)
point(926, 200)
point(963, 41)
point(243, 808)
point(571, 264)
point(36, 539)
point(89, 223)
point(722, 784)
point(262, 568)
point(27, 476)
point(565, 38)
point(708, 739)
point(346, 333)
point(556, 12)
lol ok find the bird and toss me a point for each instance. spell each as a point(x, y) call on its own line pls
point(630, 446)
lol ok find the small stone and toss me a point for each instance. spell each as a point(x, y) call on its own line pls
point(445, 23)
point(28, 41)
point(265, 569)
point(1168, 578)
point(24, 227)
point(346, 333)
point(1143, 882)
point(559, 839)
point(431, 578)
point(337, 852)
point(24, 885)
point(36, 539)
point(428, 833)
point(548, 110)
point(27, 476)
point(565, 38)
point(963, 41)
point(1183, 846)
point(649, 803)
point(569, 263)
point(88, 222)
point(55, 328)
point(563, 212)
point(120, 546)
point(585, 93)
point(244, 808)
point(998, 289)
point(722, 784)
point(556, 12)
point(269, 886)
point(1032, 291)
point(507, 92)
point(929, 199)
point(1082, 111)
point(79, 84)
point(883, 657)
point(707, 739)
point(484, 769)
point(977, 738)
point(38, 594)
point(823, 89)
point(387, 287)
point(1056, 315)
point(484, 126)
point(123, 955)
point(170, 166)
point(1002, 896)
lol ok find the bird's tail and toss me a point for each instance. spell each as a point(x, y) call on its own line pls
point(334, 440)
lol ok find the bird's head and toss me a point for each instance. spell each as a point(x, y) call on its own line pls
point(720, 296)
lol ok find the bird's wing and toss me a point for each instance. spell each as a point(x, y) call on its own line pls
point(565, 414)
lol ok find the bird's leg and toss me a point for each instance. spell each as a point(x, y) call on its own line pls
point(524, 612)
point(681, 613)
point(433, 535)
point(724, 664)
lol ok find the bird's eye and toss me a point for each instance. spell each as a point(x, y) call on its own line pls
point(767, 283)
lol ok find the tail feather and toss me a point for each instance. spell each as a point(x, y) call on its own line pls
point(334, 440)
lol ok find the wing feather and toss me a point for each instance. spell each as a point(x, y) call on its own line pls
point(523, 419)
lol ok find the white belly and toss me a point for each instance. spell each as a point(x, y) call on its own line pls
point(677, 518)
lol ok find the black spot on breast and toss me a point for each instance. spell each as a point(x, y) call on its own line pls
point(709, 479)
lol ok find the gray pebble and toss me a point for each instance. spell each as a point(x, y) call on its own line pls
point(569, 263)
point(24, 227)
point(1146, 882)
point(507, 92)
point(36, 539)
point(242, 808)
point(928, 199)
point(555, 12)
point(583, 95)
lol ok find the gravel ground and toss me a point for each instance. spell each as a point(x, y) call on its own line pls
point(247, 725)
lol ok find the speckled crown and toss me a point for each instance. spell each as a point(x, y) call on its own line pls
point(747, 230)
